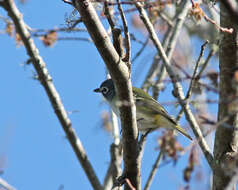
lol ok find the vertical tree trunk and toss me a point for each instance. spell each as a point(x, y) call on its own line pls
point(226, 147)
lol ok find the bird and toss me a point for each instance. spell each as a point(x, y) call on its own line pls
point(150, 114)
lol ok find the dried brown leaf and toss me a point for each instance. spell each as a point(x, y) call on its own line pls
point(9, 29)
point(192, 161)
point(50, 38)
point(170, 145)
point(18, 40)
point(106, 121)
point(196, 12)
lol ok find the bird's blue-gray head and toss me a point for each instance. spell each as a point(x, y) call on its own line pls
point(107, 89)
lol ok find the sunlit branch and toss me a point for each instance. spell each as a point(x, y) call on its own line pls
point(194, 78)
point(126, 34)
point(177, 86)
point(54, 97)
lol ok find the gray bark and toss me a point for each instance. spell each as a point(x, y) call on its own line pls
point(226, 147)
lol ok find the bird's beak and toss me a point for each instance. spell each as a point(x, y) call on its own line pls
point(98, 90)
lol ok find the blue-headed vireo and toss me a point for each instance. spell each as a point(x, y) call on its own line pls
point(150, 114)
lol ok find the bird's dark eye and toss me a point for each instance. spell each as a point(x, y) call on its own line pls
point(104, 90)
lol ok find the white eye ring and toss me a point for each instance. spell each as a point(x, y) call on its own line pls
point(104, 90)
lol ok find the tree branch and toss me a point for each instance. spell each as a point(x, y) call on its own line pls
point(155, 68)
point(109, 15)
point(211, 53)
point(194, 79)
point(226, 137)
point(173, 40)
point(5, 184)
point(140, 50)
point(231, 6)
point(153, 171)
point(46, 81)
point(177, 86)
point(121, 77)
point(114, 169)
point(126, 33)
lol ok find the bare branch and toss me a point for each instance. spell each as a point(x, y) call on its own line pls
point(166, 19)
point(140, 50)
point(114, 169)
point(198, 13)
point(192, 82)
point(67, 2)
point(75, 39)
point(64, 29)
point(155, 68)
point(108, 14)
point(233, 180)
point(126, 33)
point(118, 41)
point(51, 91)
point(222, 29)
point(177, 86)
point(211, 53)
point(173, 40)
point(231, 6)
point(121, 77)
point(153, 171)
point(5, 184)
point(194, 79)
point(226, 138)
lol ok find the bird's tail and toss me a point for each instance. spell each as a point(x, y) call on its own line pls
point(181, 130)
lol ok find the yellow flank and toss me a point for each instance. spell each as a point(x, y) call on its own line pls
point(162, 121)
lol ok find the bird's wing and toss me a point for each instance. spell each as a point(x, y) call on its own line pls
point(148, 101)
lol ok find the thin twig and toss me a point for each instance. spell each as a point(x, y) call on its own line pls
point(166, 18)
point(121, 77)
point(114, 169)
point(5, 185)
point(127, 35)
point(152, 174)
point(222, 29)
point(64, 29)
point(54, 97)
point(211, 53)
point(169, 43)
point(108, 14)
point(67, 2)
point(129, 184)
point(177, 86)
point(155, 68)
point(76, 22)
point(195, 5)
point(172, 41)
point(233, 181)
point(133, 38)
point(194, 79)
point(140, 50)
point(118, 41)
point(208, 87)
point(75, 39)
point(148, 4)
point(153, 171)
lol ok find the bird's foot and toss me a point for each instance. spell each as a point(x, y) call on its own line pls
point(143, 138)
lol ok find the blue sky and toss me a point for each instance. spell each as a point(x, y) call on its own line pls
point(34, 153)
